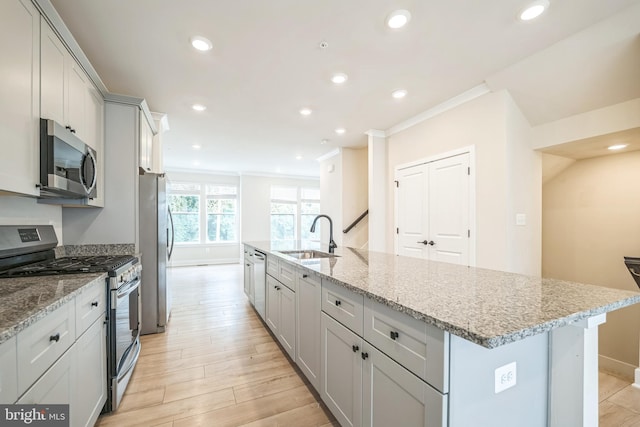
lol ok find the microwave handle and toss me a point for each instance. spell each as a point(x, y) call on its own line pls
point(90, 157)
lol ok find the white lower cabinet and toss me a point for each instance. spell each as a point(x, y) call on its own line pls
point(341, 373)
point(56, 385)
point(90, 383)
point(9, 371)
point(394, 396)
point(281, 314)
point(308, 301)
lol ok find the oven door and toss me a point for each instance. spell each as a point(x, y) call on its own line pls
point(124, 340)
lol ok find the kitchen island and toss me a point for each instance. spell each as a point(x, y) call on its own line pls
point(517, 349)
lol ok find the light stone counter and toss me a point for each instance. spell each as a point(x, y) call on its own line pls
point(25, 300)
point(487, 307)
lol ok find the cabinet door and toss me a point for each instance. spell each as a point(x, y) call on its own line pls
point(248, 281)
point(53, 76)
point(19, 97)
point(91, 379)
point(55, 386)
point(287, 327)
point(9, 371)
point(146, 141)
point(95, 137)
point(394, 396)
point(76, 100)
point(308, 297)
point(273, 304)
point(341, 378)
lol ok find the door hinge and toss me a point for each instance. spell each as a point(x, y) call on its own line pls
point(468, 233)
point(397, 183)
point(469, 170)
point(397, 231)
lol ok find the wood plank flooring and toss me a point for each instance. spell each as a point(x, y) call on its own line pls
point(216, 365)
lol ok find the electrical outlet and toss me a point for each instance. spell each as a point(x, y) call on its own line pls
point(521, 219)
point(505, 377)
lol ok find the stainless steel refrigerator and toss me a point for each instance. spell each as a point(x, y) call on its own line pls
point(156, 245)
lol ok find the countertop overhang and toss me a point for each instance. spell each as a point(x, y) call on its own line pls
point(488, 307)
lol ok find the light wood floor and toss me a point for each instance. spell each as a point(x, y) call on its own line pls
point(218, 366)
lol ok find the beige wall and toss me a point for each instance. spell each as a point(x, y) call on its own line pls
point(591, 219)
point(499, 133)
point(344, 195)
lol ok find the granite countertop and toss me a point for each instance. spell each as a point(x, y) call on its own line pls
point(25, 300)
point(487, 307)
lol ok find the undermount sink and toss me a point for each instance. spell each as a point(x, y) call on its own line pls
point(308, 254)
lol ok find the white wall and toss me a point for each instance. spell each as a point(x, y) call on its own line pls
point(355, 196)
point(331, 190)
point(506, 171)
point(16, 210)
point(210, 253)
point(255, 202)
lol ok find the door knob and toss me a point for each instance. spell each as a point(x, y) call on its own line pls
point(428, 242)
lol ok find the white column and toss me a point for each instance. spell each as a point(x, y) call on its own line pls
point(573, 388)
point(377, 190)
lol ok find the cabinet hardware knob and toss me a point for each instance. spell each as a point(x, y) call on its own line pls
point(338, 302)
point(304, 276)
point(394, 335)
point(94, 304)
point(55, 337)
point(277, 288)
point(364, 355)
point(355, 348)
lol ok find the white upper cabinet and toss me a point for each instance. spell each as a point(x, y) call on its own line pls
point(19, 97)
point(146, 143)
point(67, 94)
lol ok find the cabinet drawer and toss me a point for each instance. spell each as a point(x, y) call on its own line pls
point(272, 266)
point(421, 348)
point(9, 371)
point(90, 305)
point(42, 343)
point(55, 386)
point(343, 305)
point(287, 275)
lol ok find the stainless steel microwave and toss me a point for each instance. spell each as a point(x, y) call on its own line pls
point(68, 166)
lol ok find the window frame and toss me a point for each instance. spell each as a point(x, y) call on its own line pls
point(298, 208)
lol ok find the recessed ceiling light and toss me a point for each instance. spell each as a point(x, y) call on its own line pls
point(195, 146)
point(305, 111)
point(400, 93)
point(324, 141)
point(278, 170)
point(617, 147)
point(340, 131)
point(201, 43)
point(198, 107)
point(339, 78)
point(196, 163)
point(534, 10)
point(398, 19)
point(298, 157)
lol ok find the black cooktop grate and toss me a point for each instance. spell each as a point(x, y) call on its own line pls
point(70, 265)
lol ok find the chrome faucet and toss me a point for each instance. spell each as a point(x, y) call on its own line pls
point(332, 244)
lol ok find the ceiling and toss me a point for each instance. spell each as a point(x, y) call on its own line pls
point(266, 64)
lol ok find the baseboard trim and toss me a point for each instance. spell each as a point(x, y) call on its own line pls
point(194, 263)
point(619, 369)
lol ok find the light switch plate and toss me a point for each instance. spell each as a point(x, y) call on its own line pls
point(521, 219)
point(505, 377)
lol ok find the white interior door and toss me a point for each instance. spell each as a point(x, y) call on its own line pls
point(433, 210)
point(449, 209)
point(412, 211)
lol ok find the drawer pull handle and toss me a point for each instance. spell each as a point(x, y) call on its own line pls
point(94, 304)
point(338, 303)
point(277, 288)
point(355, 348)
point(364, 355)
point(304, 276)
point(55, 337)
point(394, 335)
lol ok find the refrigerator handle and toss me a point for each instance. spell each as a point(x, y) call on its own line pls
point(172, 234)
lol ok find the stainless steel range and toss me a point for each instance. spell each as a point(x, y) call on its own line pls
point(29, 251)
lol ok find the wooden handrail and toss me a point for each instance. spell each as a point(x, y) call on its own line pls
point(354, 223)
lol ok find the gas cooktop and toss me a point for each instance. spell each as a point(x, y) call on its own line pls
point(70, 265)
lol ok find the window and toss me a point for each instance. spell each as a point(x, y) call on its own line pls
point(292, 212)
point(184, 203)
point(221, 213)
point(212, 221)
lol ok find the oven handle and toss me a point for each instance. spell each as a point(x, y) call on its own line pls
point(125, 290)
point(132, 361)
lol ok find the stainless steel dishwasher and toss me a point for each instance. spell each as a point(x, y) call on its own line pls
point(259, 260)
